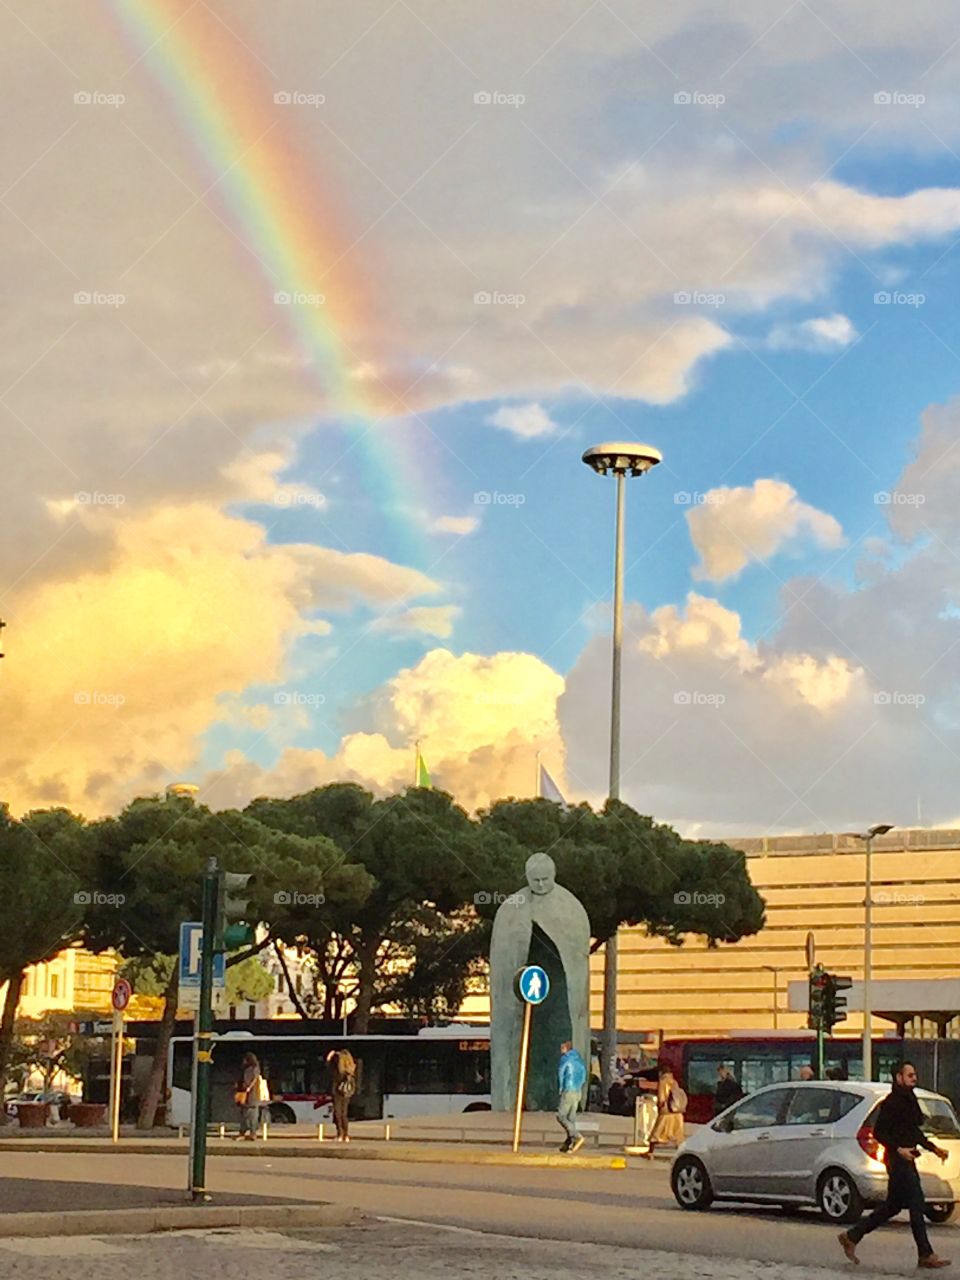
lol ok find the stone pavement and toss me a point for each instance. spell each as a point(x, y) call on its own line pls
point(374, 1250)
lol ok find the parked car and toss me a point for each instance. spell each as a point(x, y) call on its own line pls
point(812, 1143)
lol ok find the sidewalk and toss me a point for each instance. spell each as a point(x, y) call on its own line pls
point(298, 1148)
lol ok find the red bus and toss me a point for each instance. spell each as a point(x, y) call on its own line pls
point(765, 1059)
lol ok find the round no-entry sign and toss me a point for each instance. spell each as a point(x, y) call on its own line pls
point(122, 991)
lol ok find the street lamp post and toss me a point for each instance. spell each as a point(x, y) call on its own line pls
point(878, 829)
point(776, 992)
point(622, 460)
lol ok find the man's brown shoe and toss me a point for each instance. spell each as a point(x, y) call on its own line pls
point(932, 1263)
point(849, 1248)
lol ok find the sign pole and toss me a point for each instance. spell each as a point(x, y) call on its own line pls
point(120, 998)
point(113, 1068)
point(204, 1038)
point(116, 1074)
point(522, 1074)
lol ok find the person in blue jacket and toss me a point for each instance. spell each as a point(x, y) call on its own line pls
point(572, 1077)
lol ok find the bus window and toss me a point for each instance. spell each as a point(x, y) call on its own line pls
point(761, 1068)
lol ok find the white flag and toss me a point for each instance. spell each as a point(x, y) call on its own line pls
point(549, 789)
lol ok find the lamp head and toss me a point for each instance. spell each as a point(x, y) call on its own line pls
point(622, 458)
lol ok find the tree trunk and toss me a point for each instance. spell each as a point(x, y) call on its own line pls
point(294, 998)
point(14, 987)
point(367, 967)
point(152, 1096)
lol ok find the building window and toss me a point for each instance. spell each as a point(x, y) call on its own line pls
point(279, 984)
point(252, 1011)
point(54, 985)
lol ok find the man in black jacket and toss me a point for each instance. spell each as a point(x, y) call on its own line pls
point(728, 1089)
point(898, 1130)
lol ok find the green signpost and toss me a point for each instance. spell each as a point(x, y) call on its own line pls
point(222, 911)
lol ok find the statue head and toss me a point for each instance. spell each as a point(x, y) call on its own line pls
point(541, 873)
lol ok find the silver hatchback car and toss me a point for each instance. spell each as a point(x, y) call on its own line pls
point(812, 1143)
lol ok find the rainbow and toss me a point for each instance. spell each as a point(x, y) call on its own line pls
point(275, 202)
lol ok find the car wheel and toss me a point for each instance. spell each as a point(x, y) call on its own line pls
point(476, 1106)
point(939, 1212)
point(280, 1114)
point(691, 1184)
point(838, 1197)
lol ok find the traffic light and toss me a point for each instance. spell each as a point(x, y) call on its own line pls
point(833, 1003)
point(816, 991)
point(233, 929)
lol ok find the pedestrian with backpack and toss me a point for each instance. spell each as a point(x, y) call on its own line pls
point(343, 1087)
point(671, 1104)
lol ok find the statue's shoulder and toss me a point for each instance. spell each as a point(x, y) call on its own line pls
point(572, 903)
point(514, 903)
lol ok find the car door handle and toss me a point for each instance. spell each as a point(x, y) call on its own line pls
point(818, 1133)
point(763, 1137)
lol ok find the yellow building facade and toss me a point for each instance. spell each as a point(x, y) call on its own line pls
point(811, 884)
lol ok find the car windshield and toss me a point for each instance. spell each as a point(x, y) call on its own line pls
point(939, 1118)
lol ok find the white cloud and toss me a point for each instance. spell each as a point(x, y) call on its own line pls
point(460, 525)
point(433, 620)
point(736, 526)
point(480, 722)
point(524, 420)
point(113, 677)
point(825, 333)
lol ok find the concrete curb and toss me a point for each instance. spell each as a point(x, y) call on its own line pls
point(330, 1151)
point(100, 1222)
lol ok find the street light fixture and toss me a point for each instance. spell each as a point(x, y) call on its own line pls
point(878, 829)
point(622, 459)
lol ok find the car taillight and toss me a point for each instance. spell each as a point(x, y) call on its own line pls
point(869, 1143)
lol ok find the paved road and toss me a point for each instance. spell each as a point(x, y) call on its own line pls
point(630, 1209)
point(374, 1251)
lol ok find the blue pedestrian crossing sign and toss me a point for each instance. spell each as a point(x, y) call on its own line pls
point(533, 985)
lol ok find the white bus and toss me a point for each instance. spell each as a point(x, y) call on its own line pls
point(438, 1071)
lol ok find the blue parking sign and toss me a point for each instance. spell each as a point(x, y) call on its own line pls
point(533, 984)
